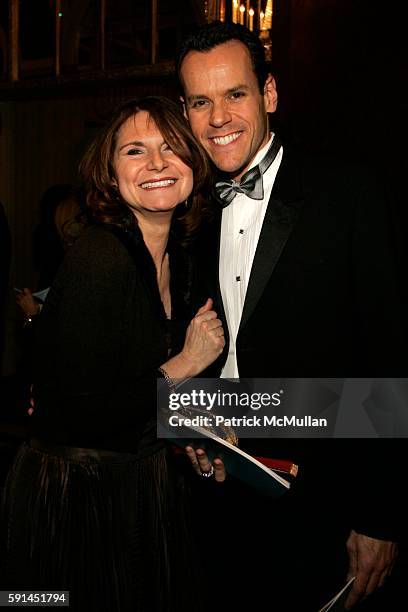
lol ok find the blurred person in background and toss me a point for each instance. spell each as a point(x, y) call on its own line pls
point(59, 227)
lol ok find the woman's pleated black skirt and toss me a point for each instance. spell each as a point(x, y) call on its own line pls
point(112, 529)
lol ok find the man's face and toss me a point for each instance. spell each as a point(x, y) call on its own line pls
point(226, 110)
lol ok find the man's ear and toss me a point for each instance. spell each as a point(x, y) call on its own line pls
point(184, 107)
point(270, 94)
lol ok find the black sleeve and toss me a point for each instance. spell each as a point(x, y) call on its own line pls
point(97, 350)
point(376, 470)
point(381, 322)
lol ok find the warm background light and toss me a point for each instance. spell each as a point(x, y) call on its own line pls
point(235, 11)
point(242, 11)
point(251, 14)
point(267, 23)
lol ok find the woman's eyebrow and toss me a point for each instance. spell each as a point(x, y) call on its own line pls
point(137, 143)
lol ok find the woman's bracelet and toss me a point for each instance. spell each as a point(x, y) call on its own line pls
point(170, 382)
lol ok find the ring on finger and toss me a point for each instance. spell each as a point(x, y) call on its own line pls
point(209, 473)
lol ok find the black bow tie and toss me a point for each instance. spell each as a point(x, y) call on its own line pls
point(251, 183)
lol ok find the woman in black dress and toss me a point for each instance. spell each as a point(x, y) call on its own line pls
point(94, 504)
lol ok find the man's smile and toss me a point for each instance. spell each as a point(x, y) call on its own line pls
point(225, 140)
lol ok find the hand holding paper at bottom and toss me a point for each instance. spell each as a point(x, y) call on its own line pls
point(337, 603)
point(39, 295)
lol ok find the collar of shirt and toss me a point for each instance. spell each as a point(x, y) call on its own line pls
point(261, 153)
point(243, 209)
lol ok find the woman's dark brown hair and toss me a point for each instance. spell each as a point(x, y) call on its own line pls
point(103, 201)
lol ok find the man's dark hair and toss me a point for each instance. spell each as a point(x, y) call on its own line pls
point(218, 33)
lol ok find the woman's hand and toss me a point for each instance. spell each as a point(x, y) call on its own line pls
point(204, 339)
point(202, 465)
point(203, 344)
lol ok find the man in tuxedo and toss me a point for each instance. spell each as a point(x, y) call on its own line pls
point(298, 259)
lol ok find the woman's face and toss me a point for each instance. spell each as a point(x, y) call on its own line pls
point(150, 177)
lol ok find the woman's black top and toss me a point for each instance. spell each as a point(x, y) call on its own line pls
point(100, 338)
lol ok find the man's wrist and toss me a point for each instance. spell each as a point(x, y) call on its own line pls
point(29, 318)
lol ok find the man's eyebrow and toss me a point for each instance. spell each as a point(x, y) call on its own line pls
point(196, 97)
point(237, 88)
point(225, 93)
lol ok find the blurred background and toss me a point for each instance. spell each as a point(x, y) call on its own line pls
point(340, 65)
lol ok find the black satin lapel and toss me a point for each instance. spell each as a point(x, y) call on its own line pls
point(278, 224)
point(209, 259)
point(213, 242)
point(220, 304)
point(281, 216)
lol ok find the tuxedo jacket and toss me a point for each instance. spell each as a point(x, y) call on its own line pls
point(322, 301)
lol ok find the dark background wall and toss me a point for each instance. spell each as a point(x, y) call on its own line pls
point(341, 68)
point(43, 140)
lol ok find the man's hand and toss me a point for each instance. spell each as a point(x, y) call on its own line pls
point(201, 464)
point(27, 303)
point(371, 561)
